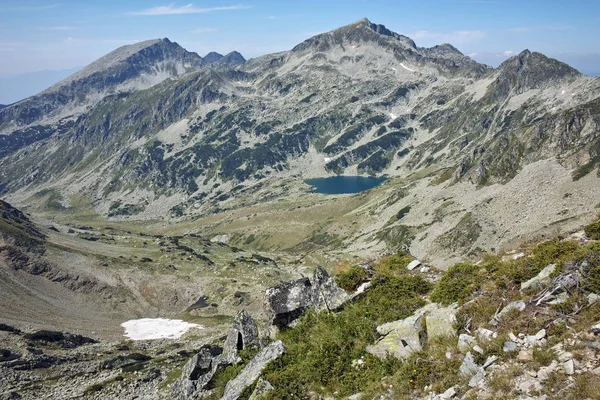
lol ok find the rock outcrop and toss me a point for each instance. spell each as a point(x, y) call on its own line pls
point(404, 337)
point(197, 374)
point(289, 300)
point(252, 370)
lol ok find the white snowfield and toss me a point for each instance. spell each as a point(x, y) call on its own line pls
point(406, 68)
point(156, 328)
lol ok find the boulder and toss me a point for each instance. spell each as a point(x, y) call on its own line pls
point(244, 332)
point(540, 280)
point(288, 301)
point(401, 338)
point(252, 370)
point(197, 372)
point(440, 322)
point(326, 294)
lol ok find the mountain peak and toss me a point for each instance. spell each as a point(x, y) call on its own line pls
point(362, 30)
point(529, 70)
point(212, 57)
point(534, 63)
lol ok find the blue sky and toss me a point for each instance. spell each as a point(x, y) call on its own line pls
point(38, 35)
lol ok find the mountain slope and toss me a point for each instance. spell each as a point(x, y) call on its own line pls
point(129, 68)
point(359, 99)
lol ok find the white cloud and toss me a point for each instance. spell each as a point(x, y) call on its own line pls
point(172, 9)
point(472, 55)
point(271, 17)
point(508, 53)
point(204, 30)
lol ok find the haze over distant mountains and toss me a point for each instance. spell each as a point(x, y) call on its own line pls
point(152, 130)
point(18, 87)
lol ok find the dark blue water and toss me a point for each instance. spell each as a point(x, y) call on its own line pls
point(343, 184)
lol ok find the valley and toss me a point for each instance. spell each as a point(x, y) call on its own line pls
point(158, 184)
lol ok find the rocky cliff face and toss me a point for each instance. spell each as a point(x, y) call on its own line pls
point(359, 99)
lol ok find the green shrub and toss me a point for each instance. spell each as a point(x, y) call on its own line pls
point(349, 280)
point(457, 284)
point(593, 230)
point(550, 252)
point(394, 264)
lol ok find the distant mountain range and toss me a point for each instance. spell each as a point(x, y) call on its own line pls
point(152, 130)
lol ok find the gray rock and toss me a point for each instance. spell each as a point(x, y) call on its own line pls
point(477, 379)
point(403, 337)
point(252, 370)
point(592, 298)
point(515, 305)
point(509, 347)
point(448, 394)
point(288, 301)
point(489, 361)
point(469, 367)
point(413, 264)
point(327, 295)
point(197, 372)
point(569, 367)
point(540, 280)
point(244, 332)
point(440, 323)
point(262, 387)
point(465, 342)
point(596, 329)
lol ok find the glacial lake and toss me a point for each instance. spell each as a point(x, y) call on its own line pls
point(343, 184)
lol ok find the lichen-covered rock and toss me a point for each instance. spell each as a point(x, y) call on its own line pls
point(401, 338)
point(440, 322)
point(540, 280)
point(244, 332)
point(252, 370)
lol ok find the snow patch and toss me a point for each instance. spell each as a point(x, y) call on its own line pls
point(393, 116)
point(156, 328)
point(406, 68)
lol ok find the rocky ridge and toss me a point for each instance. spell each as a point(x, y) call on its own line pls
point(357, 100)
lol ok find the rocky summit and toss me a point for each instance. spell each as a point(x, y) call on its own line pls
point(157, 188)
